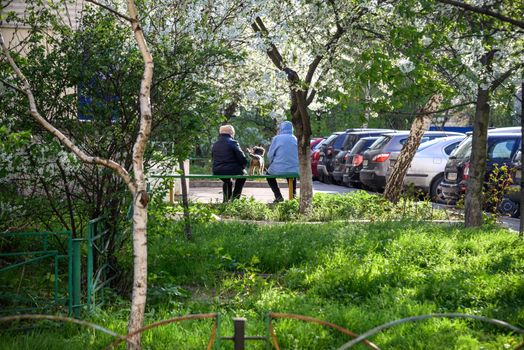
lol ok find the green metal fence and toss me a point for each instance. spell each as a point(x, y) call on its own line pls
point(35, 249)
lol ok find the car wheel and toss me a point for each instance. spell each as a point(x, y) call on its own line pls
point(509, 207)
point(435, 191)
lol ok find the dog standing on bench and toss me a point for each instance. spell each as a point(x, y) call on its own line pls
point(256, 163)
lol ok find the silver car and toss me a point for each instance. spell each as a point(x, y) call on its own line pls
point(426, 171)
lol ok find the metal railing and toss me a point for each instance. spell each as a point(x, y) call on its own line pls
point(42, 253)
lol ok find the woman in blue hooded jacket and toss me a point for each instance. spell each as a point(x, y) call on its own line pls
point(283, 158)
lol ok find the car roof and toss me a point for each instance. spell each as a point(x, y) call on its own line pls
point(374, 131)
point(363, 129)
point(429, 133)
point(510, 129)
point(443, 140)
point(503, 134)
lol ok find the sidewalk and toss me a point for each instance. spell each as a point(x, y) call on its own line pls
point(260, 191)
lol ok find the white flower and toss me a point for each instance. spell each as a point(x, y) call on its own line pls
point(405, 65)
point(426, 41)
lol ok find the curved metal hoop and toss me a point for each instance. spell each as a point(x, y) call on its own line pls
point(64, 319)
point(116, 342)
point(380, 328)
point(317, 321)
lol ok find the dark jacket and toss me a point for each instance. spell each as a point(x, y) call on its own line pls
point(228, 158)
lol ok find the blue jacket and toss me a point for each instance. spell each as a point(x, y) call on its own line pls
point(228, 158)
point(283, 152)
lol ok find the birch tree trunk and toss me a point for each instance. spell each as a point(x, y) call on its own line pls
point(418, 128)
point(140, 201)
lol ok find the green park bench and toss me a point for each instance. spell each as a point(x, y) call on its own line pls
point(290, 176)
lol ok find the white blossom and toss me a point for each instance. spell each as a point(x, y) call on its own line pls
point(405, 65)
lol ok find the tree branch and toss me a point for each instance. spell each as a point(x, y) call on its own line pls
point(33, 112)
point(11, 86)
point(433, 112)
point(483, 11)
point(328, 47)
point(115, 12)
point(272, 52)
point(145, 98)
point(496, 83)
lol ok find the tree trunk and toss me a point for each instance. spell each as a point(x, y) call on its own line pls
point(302, 127)
point(477, 168)
point(521, 226)
point(306, 181)
point(185, 204)
point(418, 128)
point(138, 301)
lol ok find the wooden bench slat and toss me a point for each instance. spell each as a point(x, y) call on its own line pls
point(207, 176)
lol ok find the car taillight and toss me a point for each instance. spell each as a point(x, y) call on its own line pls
point(316, 155)
point(357, 159)
point(379, 158)
point(466, 171)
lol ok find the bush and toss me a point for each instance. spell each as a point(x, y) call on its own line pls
point(359, 205)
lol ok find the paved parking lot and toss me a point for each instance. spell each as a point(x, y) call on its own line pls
point(261, 193)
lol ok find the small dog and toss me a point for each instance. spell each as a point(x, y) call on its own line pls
point(257, 160)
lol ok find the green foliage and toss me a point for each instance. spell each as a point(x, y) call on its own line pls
point(246, 209)
point(497, 186)
point(357, 276)
point(358, 205)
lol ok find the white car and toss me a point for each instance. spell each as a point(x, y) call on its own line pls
point(426, 171)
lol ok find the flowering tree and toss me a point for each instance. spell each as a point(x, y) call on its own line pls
point(490, 53)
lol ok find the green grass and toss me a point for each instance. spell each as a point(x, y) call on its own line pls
point(355, 275)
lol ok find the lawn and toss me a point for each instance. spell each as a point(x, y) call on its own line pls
point(357, 276)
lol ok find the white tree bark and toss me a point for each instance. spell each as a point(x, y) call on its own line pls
point(418, 128)
point(136, 184)
point(140, 200)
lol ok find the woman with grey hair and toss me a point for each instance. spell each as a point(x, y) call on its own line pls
point(228, 159)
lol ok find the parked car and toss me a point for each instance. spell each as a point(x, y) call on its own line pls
point(353, 162)
point(510, 204)
point(426, 170)
point(501, 149)
point(315, 154)
point(343, 143)
point(315, 141)
point(376, 158)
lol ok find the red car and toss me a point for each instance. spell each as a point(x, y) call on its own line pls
point(315, 154)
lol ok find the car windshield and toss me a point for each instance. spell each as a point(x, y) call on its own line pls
point(380, 142)
point(329, 139)
point(426, 144)
point(362, 145)
point(339, 141)
point(463, 150)
point(318, 145)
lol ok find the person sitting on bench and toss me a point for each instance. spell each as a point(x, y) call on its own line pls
point(228, 159)
point(283, 158)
